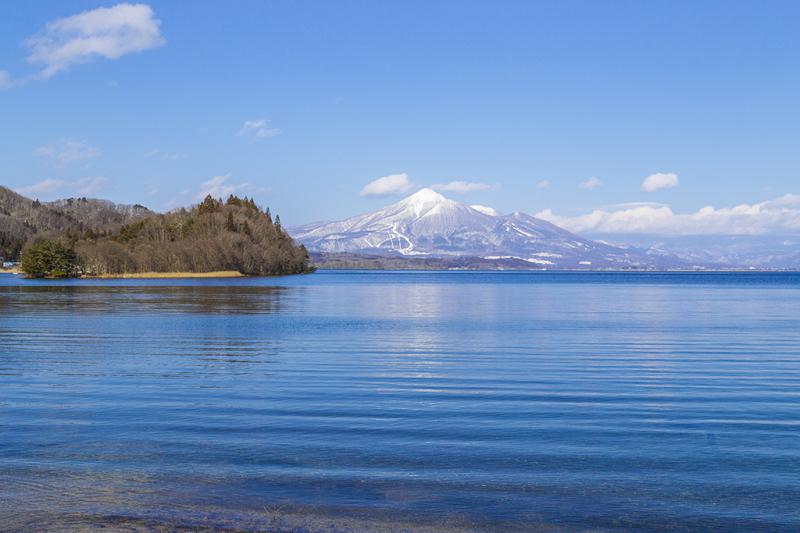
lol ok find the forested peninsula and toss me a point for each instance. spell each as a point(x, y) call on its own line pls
point(233, 235)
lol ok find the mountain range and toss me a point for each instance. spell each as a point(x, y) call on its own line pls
point(428, 230)
point(761, 252)
point(429, 224)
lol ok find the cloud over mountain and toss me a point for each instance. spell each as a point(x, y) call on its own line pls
point(387, 185)
point(780, 215)
point(660, 180)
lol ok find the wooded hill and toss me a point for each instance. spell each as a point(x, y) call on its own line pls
point(22, 218)
point(96, 237)
point(212, 236)
point(235, 235)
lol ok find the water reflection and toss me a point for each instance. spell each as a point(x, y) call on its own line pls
point(142, 299)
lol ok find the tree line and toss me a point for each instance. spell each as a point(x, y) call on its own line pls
point(214, 235)
point(23, 219)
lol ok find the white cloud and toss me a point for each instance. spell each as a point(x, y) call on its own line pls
point(5, 80)
point(258, 127)
point(543, 184)
point(80, 187)
point(43, 187)
point(387, 185)
point(67, 151)
point(660, 180)
point(107, 32)
point(780, 215)
point(90, 186)
point(220, 187)
point(591, 183)
point(462, 187)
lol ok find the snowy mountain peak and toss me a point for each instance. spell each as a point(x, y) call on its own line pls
point(427, 223)
point(426, 201)
point(425, 195)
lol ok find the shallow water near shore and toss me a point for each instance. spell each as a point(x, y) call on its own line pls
point(385, 401)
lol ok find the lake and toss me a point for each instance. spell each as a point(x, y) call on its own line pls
point(419, 401)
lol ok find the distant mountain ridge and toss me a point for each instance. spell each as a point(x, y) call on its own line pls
point(429, 224)
point(761, 252)
point(22, 218)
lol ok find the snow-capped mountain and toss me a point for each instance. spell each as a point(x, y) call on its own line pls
point(427, 223)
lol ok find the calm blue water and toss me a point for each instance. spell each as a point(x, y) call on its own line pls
point(382, 401)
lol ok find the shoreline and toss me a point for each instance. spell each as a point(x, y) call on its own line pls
point(170, 275)
point(228, 274)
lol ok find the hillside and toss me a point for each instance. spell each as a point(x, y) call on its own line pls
point(22, 218)
point(212, 236)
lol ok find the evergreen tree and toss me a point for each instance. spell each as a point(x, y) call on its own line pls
point(46, 258)
point(209, 205)
point(230, 225)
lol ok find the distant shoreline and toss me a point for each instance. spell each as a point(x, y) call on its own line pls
point(422, 268)
point(357, 261)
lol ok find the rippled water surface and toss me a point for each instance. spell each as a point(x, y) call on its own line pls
point(383, 401)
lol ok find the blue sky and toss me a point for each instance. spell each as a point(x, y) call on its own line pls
point(302, 104)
